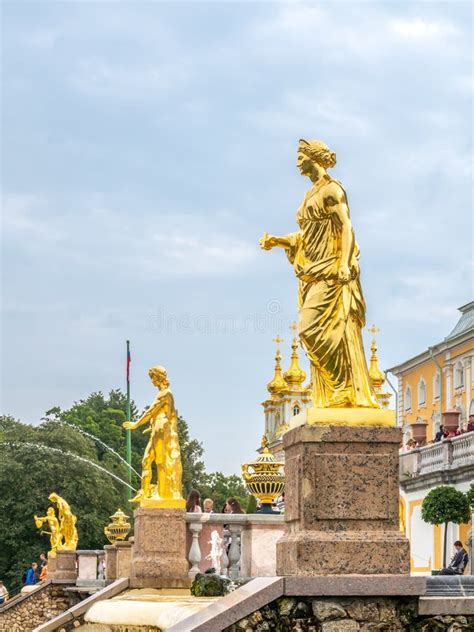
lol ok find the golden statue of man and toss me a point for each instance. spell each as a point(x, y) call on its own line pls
point(63, 532)
point(67, 524)
point(325, 255)
point(163, 449)
point(54, 532)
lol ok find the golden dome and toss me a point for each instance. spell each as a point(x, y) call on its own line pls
point(277, 384)
point(376, 375)
point(295, 375)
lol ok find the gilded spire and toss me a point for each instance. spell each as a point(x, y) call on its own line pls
point(277, 384)
point(295, 375)
point(376, 375)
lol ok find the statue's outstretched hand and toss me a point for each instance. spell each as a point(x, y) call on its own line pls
point(267, 242)
point(129, 425)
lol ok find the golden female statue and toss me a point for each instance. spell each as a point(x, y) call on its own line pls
point(162, 450)
point(324, 254)
point(67, 524)
point(54, 532)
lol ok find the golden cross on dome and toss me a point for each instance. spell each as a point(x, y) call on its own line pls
point(373, 330)
point(278, 341)
point(294, 327)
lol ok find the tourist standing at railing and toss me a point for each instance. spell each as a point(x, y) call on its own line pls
point(439, 436)
point(208, 505)
point(193, 503)
point(3, 593)
point(232, 506)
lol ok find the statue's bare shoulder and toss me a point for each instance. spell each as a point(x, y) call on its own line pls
point(333, 193)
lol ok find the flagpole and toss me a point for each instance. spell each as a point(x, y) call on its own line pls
point(129, 414)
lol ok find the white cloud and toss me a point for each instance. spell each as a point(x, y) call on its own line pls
point(185, 246)
point(419, 28)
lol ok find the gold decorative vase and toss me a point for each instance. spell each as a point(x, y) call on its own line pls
point(119, 528)
point(267, 481)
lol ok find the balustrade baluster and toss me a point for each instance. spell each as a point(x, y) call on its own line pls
point(194, 556)
point(234, 551)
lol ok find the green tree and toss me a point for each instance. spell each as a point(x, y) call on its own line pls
point(442, 505)
point(219, 487)
point(470, 496)
point(35, 461)
point(191, 452)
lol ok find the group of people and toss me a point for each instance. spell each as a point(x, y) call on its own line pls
point(193, 504)
point(37, 572)
point(441, 435)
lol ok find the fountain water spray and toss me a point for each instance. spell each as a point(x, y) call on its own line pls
point(94, 438)
point(27, 444)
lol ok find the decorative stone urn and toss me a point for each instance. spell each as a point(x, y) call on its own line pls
point(419, 431)
point(451, 420)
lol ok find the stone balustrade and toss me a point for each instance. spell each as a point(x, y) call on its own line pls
point(448, 456)
point(90, 568)
point(248, 543)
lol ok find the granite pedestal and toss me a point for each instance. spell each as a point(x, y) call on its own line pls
point(65, 566)
point(159, 550)
point(341, 502)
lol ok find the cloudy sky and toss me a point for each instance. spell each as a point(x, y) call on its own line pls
point(146, 147)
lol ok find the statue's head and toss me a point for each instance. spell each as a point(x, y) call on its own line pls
point(159, 376)
point(50, 512)
point(53, 497)
point(311, 152)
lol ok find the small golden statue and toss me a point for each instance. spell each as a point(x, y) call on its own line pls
point(63, 532)
point(162, 450)
point(53, 524)
point(325, 257)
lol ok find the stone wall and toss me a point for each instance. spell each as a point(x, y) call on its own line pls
point(24, 613)
point(347, 614)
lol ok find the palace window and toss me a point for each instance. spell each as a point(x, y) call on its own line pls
point(459, 376)
point(408, 398)
point(421, 393)
point(437, 386)
point(296, 409)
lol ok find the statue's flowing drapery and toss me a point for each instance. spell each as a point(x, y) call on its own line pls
point(331, 313)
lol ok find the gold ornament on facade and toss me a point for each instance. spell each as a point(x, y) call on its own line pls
point(267, 481)
point(325, 258)
point(277, 384)
point(162, 452)
point(118, 528)
point(63, 532)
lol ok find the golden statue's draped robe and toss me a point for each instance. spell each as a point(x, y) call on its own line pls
point(332, 313)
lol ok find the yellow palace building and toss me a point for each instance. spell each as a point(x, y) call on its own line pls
point(437, 381)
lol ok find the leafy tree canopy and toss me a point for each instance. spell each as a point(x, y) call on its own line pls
point(445, 504)
point(36, 460)
point(470, 496)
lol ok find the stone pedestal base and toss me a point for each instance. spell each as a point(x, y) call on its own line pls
point(159, 550)
point(65, 566)
point(341, 502)
point(51, 564)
